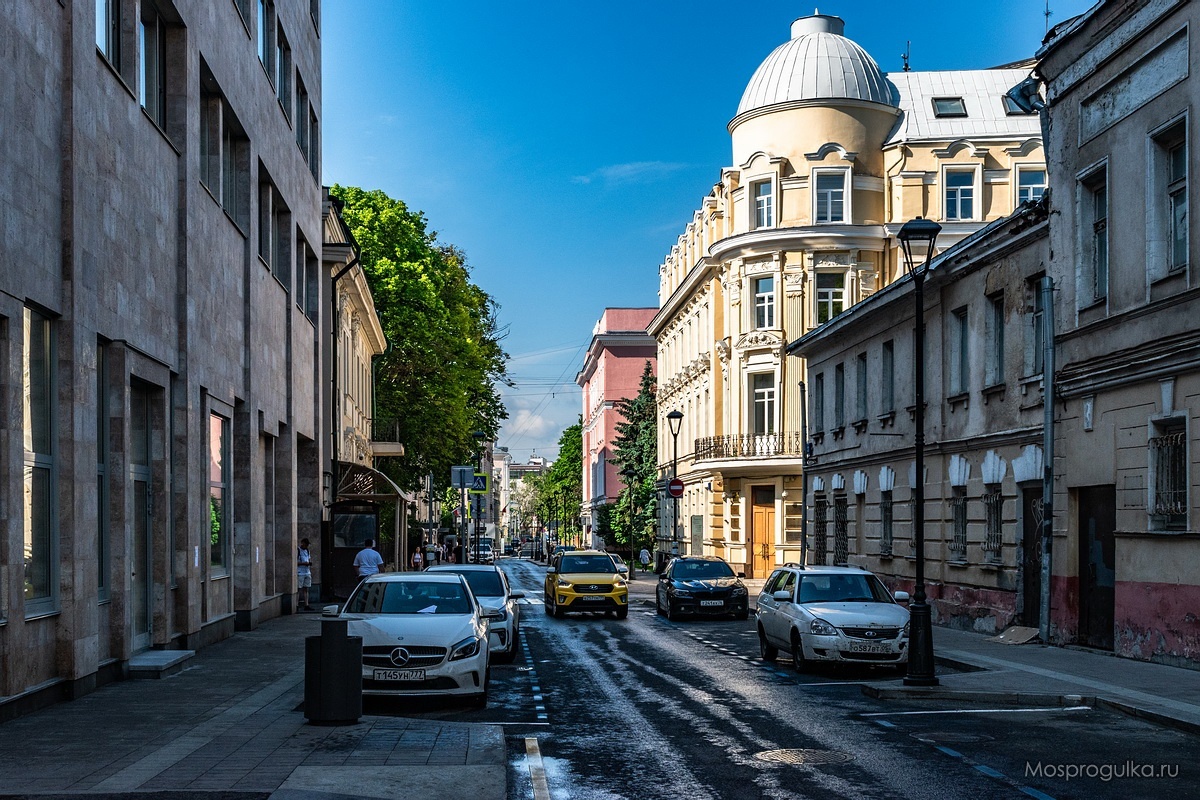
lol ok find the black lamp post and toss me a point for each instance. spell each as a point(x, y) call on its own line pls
point(920, 652)
point(674, 421)
point(630, 475)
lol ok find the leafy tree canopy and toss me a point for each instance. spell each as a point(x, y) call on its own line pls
point(636, 446)
point(437, 380)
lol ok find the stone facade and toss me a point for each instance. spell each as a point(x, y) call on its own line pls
point(161, 431)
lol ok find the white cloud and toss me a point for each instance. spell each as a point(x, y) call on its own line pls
point(632, 172)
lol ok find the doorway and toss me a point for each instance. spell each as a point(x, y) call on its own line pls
point(141, 528)
point(1097, 564)
point(760, 543)
point(1031, 557)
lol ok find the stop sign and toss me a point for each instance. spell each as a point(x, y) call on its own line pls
point(675, 488)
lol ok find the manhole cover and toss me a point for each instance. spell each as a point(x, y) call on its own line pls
point(803, 756)
point(950, 737)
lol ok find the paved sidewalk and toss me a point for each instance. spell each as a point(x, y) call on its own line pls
point(231, 726)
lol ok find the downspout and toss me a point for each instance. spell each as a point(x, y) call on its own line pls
point(1047, 290)
point(803, 473)
point(336, 413)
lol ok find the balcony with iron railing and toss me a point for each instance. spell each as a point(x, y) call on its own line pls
point(385, 437)
point(750, 447)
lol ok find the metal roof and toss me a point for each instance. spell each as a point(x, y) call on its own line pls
point(982, 92)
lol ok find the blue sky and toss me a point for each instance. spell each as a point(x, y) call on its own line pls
point(564, 145)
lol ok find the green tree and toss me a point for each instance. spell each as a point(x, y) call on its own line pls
point(636, 446)
point(562, 484)
point(437, 381)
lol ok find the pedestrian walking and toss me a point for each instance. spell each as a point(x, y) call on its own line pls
point(416, 560)
point(303, 575)
point(644, 557)
point(368, 561)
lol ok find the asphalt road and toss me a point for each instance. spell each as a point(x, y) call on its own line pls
point(595, 708)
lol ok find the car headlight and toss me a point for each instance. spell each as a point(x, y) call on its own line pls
point(499, 614)
point(465, 649)
point(564, 583)
point(620, 584)
point(822, 628)
point(683, 592)
point(739, 591)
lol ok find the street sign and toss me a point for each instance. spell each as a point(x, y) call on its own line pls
point(480, 483)
point(675, 488)
point(462, 477)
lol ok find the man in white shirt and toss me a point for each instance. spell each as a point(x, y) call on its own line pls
point(304, 575)
point(368, 561)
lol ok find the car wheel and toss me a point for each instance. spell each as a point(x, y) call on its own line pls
point(768, 651)
point(622, 613)
point(672, 614)
point(658, 605)
point(798, 662)
point(558, 612)
point(547, 607)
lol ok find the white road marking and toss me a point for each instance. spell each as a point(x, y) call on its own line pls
point(537, 771)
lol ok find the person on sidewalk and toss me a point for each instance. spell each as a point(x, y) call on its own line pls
point(367, 562)
point(644, 557)
point(304, 575)
point(416, 560)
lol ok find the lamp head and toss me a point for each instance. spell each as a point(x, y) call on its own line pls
point(675, 421)
point(629, 474)
point(919, 231)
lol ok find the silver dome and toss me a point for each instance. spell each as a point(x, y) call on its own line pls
point(818, 63)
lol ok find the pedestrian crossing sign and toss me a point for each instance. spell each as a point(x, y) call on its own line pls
point(481, 483)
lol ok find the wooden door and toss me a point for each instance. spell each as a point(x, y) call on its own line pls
point(1097, 565)
point(761, 541)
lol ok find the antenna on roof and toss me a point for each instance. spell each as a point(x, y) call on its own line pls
point(907, 52)
point(1048, 13)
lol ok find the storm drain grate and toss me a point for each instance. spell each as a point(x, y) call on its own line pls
point(950, 737)
point(803, 756)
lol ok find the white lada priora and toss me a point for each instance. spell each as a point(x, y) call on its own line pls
point(842, 614)
point(423, 633)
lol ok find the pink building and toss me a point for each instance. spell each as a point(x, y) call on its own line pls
point(612, 369)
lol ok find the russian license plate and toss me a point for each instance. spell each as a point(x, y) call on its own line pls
point(712, 602)
point(869, 647)
point(399, 675)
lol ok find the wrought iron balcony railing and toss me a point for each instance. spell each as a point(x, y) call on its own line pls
point(749, 445)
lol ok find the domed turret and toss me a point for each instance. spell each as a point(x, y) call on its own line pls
point(818, 63)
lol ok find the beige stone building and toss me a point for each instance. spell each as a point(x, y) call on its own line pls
point(829, 157)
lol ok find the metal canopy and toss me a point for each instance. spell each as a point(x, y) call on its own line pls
point(360, 482)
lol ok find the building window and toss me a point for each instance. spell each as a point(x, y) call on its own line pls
point(763, 402)
point(860, 393)
point(993, 507)
point(831, 295)
point(1168, 464)
point(224, 152)
point(1031, 184)
point(958, 540)
point(108, 30)
point(960, 194)
point(152, 48)
point(949, 107)
point(839, 396)
point(266, 36)
point(243, 9)
point(40, 543)
point(1037, 322)
point(302, 116)
point(819, 402)
point(820, 529)
point(1011, 108)
point(1094, 236)
point(764, 303)
point(830, 196)
point(995, 340)
point(764, 204)
point(888, 389)
point(314, 11)
point(1175, 156)
point(960, 365)
point(314, 144)
point(307, 272)
point(218, 491)
point(841, 530)
point(283, 73)
point(885, 523)
point(274, 231)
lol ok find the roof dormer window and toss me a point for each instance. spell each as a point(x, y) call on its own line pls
point(1012, 109)
point(949, 107)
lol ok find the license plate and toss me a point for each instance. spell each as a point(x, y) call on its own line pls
point(712, 602)
point(868, 647)
point(590, 598)
point(399, 675)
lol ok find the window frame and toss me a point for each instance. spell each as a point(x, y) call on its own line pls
point(818, 400)
point(960, 353)
point(762, 204)
point(220, 527)
point(764, 302)
point(152, 71)
point(1093, 238)
point(818, 203)
point(1029, 169)
point(860, 392)
point(824, 297)
point(40, 459)
point(974, 198)
point(1167, 453)
point(764, 406)
point(942, 109)
point(994, 368)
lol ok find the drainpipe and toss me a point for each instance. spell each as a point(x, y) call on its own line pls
point(1047, 290)
point(803, 474)
point(336, 413)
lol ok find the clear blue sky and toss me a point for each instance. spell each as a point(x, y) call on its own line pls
point(565, 145)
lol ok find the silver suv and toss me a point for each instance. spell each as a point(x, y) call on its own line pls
point(842, 614)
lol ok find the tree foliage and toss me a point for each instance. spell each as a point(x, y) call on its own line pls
point(562, 484)
point(636, 446)
point(437, 380)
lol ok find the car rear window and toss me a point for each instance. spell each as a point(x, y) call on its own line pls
point(403, 597)
point(602, 564)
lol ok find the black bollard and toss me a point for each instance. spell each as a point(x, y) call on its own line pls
point(333, 675)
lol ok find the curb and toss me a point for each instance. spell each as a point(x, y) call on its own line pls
point(1155, 717)
point(1004, 699)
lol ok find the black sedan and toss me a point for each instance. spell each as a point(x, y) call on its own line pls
point(701, 585)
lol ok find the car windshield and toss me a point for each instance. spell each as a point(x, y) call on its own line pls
point(701, 570)
point(409, 597)
point(842, 589)
point(587, 564)
point(482, 583)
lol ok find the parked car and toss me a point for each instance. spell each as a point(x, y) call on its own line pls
point(701, 585)
point(490, 587)
point(585, 580)
point(423, 633)
point(832, 614)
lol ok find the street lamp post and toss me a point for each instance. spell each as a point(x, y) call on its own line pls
point(920, 653)
point(479, 443)
point(674, 421)
point(630, 475)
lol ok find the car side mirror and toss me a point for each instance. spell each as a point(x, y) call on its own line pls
point(550, 570)
point(741, 574)
point(516, 595)
point(623, 570)
point(783, 596)
point(901, 597)
point(330, 611)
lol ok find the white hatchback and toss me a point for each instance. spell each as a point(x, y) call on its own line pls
point(423, 633)
point(490, 586)
point(840, 614)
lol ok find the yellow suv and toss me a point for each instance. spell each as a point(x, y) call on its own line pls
point(585, 580)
